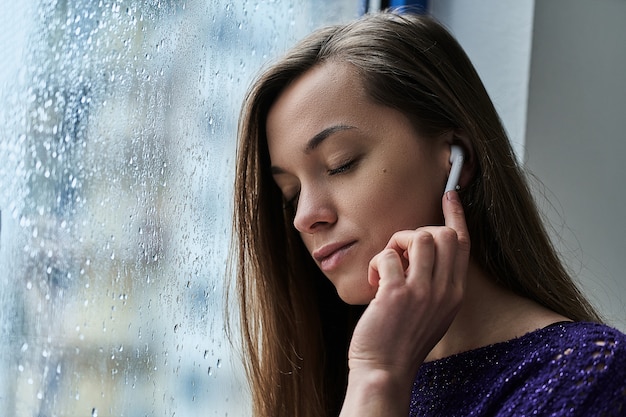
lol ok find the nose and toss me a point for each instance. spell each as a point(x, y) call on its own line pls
point(314, 211)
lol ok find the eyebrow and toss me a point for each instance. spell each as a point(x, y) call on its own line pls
point(316, 141)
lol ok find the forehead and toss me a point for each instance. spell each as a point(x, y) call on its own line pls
point(327, 94)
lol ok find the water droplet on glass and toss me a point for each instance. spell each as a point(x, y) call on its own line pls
point(94, 412)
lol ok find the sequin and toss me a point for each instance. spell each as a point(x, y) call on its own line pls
point(569, 369)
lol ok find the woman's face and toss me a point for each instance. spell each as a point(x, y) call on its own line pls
point(355, 172)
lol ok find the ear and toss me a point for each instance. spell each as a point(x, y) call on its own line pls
point(468, 170)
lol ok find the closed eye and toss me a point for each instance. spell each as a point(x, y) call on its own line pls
point(291, 202)
point(342, 168)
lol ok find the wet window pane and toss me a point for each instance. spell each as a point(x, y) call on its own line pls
point(117, 133)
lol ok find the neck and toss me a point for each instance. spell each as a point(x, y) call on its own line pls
point(490, 314)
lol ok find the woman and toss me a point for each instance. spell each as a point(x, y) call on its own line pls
point(359, 292)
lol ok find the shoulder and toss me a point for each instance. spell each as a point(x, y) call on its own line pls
point(577, 344)
point(586, 349)
point(567, 369)
point(583, 368)
point(585, 342)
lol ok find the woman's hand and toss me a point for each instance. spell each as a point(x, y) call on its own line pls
point(420, 277)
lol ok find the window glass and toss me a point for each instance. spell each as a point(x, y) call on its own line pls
point(117, 137)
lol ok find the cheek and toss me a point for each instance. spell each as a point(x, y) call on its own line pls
point(405, 194)
point(307, 239)
point(402, 199)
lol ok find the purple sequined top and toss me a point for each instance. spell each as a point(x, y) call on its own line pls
point(567, 369)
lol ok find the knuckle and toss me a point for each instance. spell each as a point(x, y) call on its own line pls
point(464, 242)
point(374, 261)
point(424, 237)
point(399, 236)
point(448, 235)
point(388, 253)
point(422, 293)
point(385, 254)
point(450, 232)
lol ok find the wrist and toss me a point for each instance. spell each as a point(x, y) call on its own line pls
point(376, 392)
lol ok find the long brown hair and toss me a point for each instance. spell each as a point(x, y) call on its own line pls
point(295, 330)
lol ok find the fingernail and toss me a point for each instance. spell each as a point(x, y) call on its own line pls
point(452, 196)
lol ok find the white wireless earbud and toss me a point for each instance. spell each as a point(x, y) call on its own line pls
point(456, 159)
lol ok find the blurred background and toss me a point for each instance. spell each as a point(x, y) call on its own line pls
point(117, 139)
point(118, 134)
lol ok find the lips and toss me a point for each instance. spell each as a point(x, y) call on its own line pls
point(330, 256)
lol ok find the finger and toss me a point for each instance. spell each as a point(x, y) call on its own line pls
point(421, 251)
point(446, 256)
point(455, 219)
point(386, 267)
point(454, 216)
point(400, 241)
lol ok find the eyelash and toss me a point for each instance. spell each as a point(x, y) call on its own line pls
point(293, 202)
point(342, 168)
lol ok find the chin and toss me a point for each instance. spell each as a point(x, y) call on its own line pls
point(356, 296)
